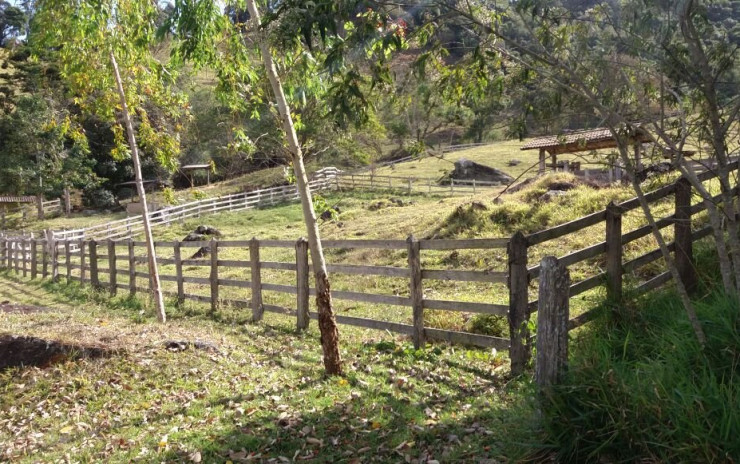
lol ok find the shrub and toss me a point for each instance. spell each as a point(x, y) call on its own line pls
point(99, 198)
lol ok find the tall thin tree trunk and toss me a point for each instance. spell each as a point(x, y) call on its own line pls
point(151, 253)
point(327, 321)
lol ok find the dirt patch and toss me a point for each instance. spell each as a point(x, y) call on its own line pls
point(18, 351)
point(8, 307)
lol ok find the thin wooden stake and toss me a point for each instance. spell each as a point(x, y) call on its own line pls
point(214, 276)
point(302, 283)
point(34, 259)
point(614, 252)
point(131, 268)
point(68, 260)
point(416, 291)
point(684, 254)
point(254, 257)
point(112, 271)
point(94, 277)
point(178, 274)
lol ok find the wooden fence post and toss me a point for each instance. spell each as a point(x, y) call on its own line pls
point(68, 260)
point(519, 351)
point(40, 207)
point(45, 244)
point(614, 252)
point(178, 274)
point(416, 291)
point(67, 203)
point(112, 271)
point(34, 258)
point(684, 254)
point(552, 323)
point(302, 282)
point(82, 260)
point(54, 252)
point(214, 276)
point(94, 278)
point(24, 256)
point(3, 249)
point(131, 267)
point(254, 259)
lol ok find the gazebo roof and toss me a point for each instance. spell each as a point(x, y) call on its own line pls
point(583, 140)
point(193, 167)
point(17, 199)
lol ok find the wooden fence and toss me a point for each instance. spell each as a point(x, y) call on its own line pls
point(131, 226)
point(28, 255)
point(409, 185)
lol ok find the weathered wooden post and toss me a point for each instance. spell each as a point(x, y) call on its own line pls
point(614, 252)
point(519, 351)
point(254, 263)
point(3, 249)
point(81, 245)
point(552, 323)
point(131, 268)
point(112, 271)
point(684, 254)
point(94, 277)
point(45, 256)
point(24, 256)
point(54, 254)
point(416, 291)
point(34, 258)
point(67, 203)
point(214, 275)
point(40, 207)
point(302, 282)
point(68, 260)
point(178, 273)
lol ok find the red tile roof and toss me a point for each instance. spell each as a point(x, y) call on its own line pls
point(600, 134)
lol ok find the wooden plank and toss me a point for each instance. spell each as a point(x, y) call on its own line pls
point(240, 263)
point(256, 274)
point(642, 260)
point(281, 288)
point(197, 280)
point(356, 244)
point(465, 276)
point(567, 228)
point(195, 262)
point(352, 269)
point(464, 244)
point(654, 283)
point(67, 260)
point(582, 319)
point(277, 243)
point(276, 309)
point(277, 265)
point(302, 284)
point(574, 257)
point(646, 230)
point(167, 278)
point(369, 297)
point(416, 291)
point(235, 283)
point(81, 245)
point(371, 324)
point(468, 307)
point(465, 338)
point(587, 284)
point(650, 197)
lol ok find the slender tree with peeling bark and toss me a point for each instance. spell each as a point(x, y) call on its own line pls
point(89, 39)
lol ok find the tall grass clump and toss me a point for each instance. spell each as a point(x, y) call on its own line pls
point(640, 388)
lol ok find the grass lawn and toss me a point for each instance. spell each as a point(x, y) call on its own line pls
point(261, 397)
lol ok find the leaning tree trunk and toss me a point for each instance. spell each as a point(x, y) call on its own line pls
point(327, 321)
point(151, 253)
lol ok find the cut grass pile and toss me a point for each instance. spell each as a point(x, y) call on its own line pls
point(261, 398)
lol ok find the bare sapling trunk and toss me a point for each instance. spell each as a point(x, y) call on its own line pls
point(151, 253)
point(327, 320)
point(683, 294)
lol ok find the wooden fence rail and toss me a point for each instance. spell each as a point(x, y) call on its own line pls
point(69, 257)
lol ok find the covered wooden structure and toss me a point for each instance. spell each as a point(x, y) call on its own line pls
point(198, 167)
point(581, 141)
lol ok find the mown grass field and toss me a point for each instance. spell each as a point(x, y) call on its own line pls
point(261, 398)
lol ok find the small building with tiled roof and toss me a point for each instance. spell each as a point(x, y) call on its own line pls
point(580, 141)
